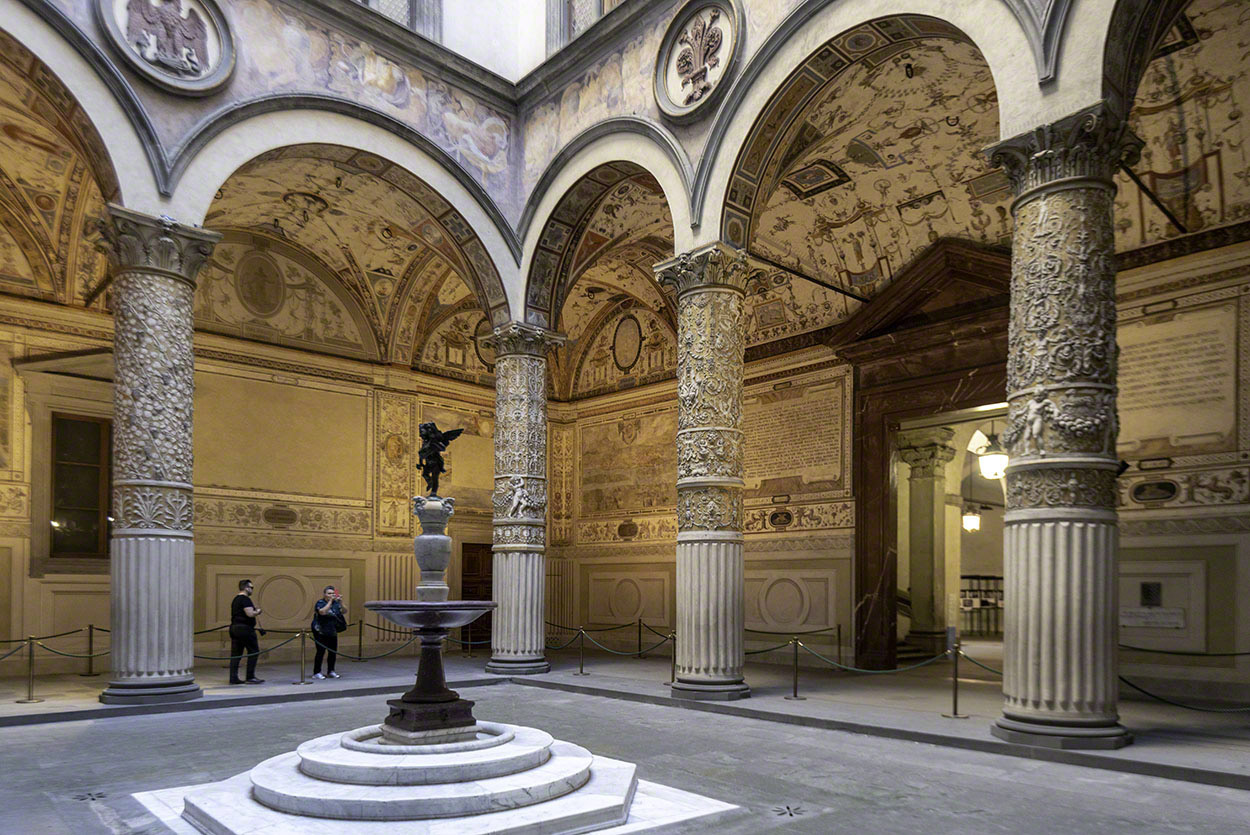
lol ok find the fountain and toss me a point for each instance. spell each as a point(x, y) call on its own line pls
point(430, 768)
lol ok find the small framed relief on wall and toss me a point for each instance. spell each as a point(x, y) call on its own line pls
point(698, 57)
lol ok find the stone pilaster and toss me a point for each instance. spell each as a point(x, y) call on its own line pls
point(152, 553)
point(1060, 542)
point(520, 498)
point(709, 284)
point(927, 452)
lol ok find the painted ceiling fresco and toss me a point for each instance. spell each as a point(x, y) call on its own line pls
point(398, 254)
point(867, 154)
point(1190, 110)
point(54, 179)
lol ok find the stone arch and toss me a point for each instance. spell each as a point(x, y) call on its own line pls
point(103, 97)
point(995, 30)
point(1135, 31)
point(356, 222)
point(867, 153)
point(642, 156)
point(57, 176)
point(229, 146)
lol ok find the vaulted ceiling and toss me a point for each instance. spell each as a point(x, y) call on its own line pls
point(358, 255)
point(54, 179)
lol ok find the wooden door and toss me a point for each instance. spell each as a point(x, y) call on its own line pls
point(475, 584)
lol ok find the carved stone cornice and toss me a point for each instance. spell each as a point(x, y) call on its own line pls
point(1083, 150)
point(713, 266)
point(518, 338)
point(155, 245)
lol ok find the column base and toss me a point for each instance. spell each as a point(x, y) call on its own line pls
point(522, 667)
point(1104, 737)
point(727, 692)
point(149, 693)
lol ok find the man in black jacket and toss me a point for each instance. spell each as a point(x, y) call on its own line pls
point(243, 634)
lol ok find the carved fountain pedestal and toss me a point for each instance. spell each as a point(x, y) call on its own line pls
point(430, 713)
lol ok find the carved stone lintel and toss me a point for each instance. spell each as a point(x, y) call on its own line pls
point(519, 338)
point(715, 265)
point(1088, 145)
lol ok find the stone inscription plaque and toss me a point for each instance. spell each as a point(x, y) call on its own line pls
point(1152, 617)
point(1178, 386)
point(793, 439)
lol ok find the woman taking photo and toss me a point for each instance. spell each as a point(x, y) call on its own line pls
point(329, 618)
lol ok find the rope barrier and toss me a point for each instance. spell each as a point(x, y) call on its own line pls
point(967, 657)
point(201, 632)
point(1141, 689)
point(468, 643)
point(809, 632)
point(584, 629)
point(1182, 652)
point(246, 654)
point(13, 651)
point(46, 637)
point(313, 635)
point(617, 652)
point(562, 646)
point(849, 668)
point(72, 654)
point(654, 631)
point(770, 649)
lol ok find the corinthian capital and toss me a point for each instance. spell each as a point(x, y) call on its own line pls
point(518, 338)
point(715, 265)
point(161, 245)
point(1088, 145)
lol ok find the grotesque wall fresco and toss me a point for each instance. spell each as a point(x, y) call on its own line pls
point(256, 287)
point(628, 465)
point(631, 347)
point(401, 255)
point(54, 178)
point(283, 49)
point(1189, 110)
point(866, 155)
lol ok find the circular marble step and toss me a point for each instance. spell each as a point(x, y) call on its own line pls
point(369, 739)
point(279, 784)
point(327, 759)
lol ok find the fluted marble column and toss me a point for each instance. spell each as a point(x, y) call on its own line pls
point(709, 284)
point(927, 452)
point(520, 499)
point(152, 553)
point(1060, 542)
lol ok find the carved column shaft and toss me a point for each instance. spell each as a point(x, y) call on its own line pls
point(927, 453)
point(520, 498)
point(709, 285)
point(152, 552)
point(1060, 541)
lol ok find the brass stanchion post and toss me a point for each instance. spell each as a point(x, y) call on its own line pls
point(467, 634)
point(840, 643)
point(90, 651)
point(672, 667)
point(639, 638)
point(303, 650)
point(795, 697)
point(30, 673)
point(581, 652)
point(952, 647)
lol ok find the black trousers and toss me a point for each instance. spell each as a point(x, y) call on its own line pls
point(243, 639)
point(325, 642)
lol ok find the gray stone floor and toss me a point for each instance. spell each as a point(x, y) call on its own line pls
point(77, 777)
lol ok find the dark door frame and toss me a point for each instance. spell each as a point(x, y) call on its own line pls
point(947, 310)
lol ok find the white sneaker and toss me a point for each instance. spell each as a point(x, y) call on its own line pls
point(319, 675)
point(334, 675)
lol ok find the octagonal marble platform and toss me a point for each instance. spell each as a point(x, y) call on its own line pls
point(508, 779)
